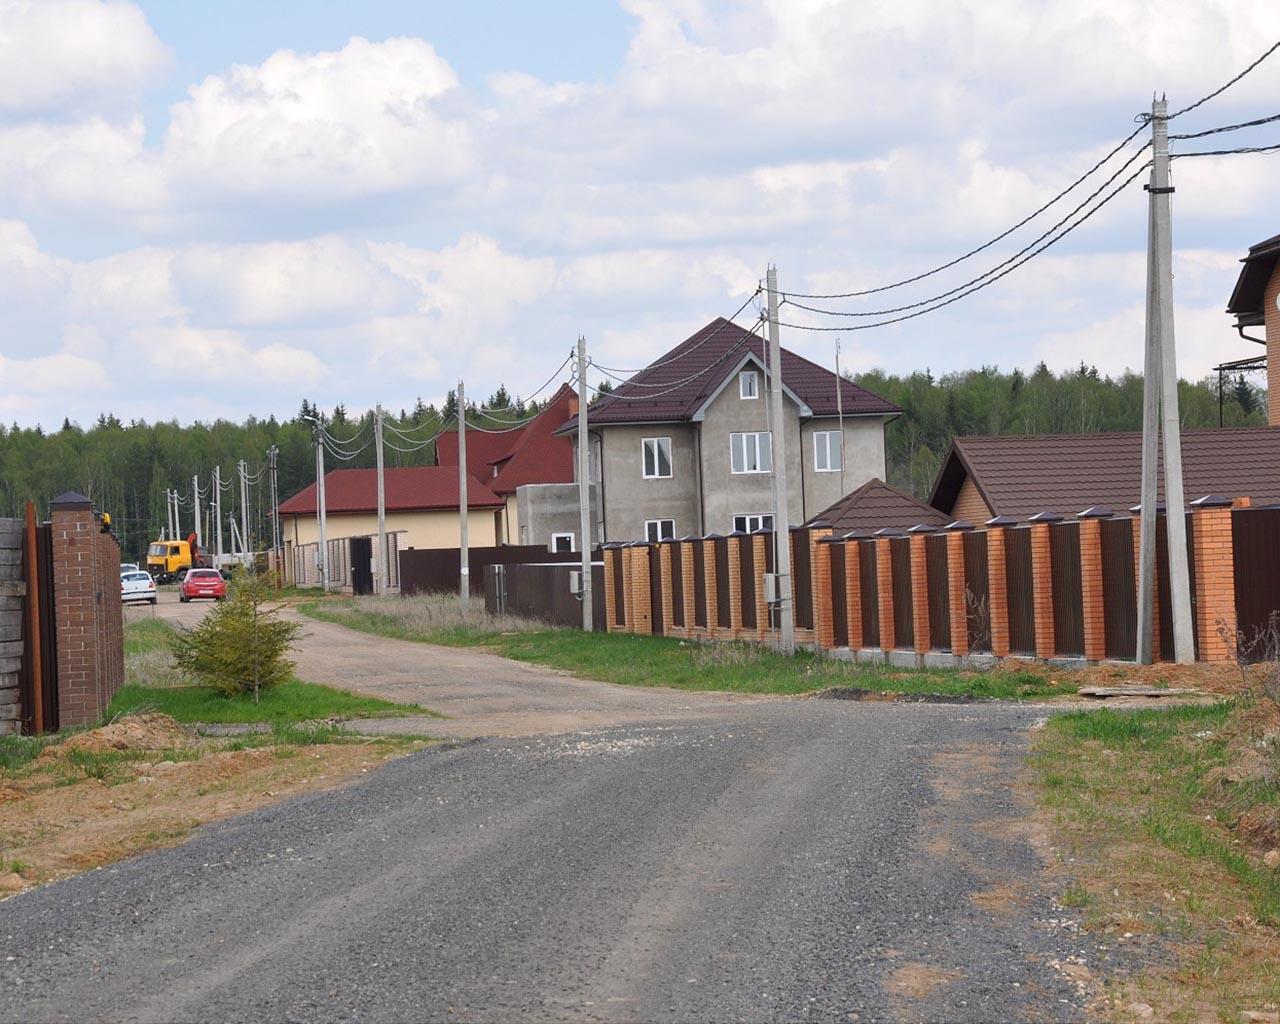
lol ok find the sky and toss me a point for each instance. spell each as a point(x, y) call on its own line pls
point(218, 210)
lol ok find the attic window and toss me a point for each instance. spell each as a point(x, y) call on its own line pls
point(748, 384)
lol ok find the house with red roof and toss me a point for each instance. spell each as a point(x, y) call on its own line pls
point(686, 446)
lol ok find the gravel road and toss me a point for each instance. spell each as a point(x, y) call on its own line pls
point(804, 861)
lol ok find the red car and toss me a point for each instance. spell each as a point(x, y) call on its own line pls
point(202, 583)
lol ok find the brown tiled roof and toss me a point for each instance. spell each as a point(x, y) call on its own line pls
point(876, 505)
point(668, 394)
point(539, 456)
point(484, 448)
point(416, 489)
point(1067, 473)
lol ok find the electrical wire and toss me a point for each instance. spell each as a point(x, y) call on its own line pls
point(985, 245)
point(1227, 152)
point(682, 354)
point(419, 446)
point(787, 298)
point(1225, 128)
point(990, 281)
point(1219, 91)
point(550, 380)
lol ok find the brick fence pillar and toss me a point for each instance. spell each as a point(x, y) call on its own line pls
point(641, 602)
point(610, 606)
point(1042, 588)
point(759, 553)
point(710, 583)
point(853, 592)
point(735, 584)
point(824, 629)
point(921, 634)
point(668, 601)
point(884, 584)
point(686, 581)
point(957, 588)
point(1091, 593)
point(1215, 571)
point(998, 586)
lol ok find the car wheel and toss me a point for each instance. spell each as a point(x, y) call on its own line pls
point(152, 601)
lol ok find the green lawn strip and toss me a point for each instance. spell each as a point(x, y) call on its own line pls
point(293, 701)
point(144, 635)
point(663, 661)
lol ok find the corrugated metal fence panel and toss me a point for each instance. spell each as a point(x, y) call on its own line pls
point(542, 592)
point(723, 596)
point(977, 591)
point(699, 584)
point(747, 567)
point(436, 570)
point(869, 580)
point(1256, 544)
point(900, 564)
point(1119, 594)
point(1017, 562)
point(839, 596)
point(619, 587)
point(677, 584)
point(1162, 585)
point(48, 681)
point(935, 559)
point(802, 574)
point(1068, 593)
point(655, 588)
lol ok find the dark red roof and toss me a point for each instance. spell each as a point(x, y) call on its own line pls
point(539, 456)
point(420, 489)
point(876, 505)
point(483, 449)
point(717, 349)
point(1067, 473)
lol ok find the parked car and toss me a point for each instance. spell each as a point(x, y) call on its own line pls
point(128, 567)
point(137, 586)
point(197, 583)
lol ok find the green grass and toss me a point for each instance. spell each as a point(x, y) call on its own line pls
point(661, 661)
point(289, 702)
point(145, 635)
point(16, 752)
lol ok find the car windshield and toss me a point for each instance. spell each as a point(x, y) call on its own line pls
point(203, 574)
point(157, 550)
point(136, 577)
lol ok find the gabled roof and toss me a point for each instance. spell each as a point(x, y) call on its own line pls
point(876, 505)
point(677, 385)
point(538, 455)
point(1246, 298)
point(1066, 473)
point(419, 489)
point(483, 449)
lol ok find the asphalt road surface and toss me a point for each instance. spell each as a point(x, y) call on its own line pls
point(804, 860)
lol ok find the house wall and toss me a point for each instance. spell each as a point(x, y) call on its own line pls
point(863, 460)
point(629, 499)
point(1271, 312)
point(969, 504)
point(553, 508)
point(436, 529)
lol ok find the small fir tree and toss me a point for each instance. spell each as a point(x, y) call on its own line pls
point(242, 646)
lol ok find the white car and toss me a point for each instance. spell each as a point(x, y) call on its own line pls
point(137, 586)
point(128, 567)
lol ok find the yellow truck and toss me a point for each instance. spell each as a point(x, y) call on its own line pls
point(168, 560)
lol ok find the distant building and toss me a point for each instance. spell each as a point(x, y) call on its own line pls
point(877, 506)
point(1255, 302)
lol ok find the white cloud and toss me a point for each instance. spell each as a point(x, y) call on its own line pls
point(59, 373)
point(225, 357)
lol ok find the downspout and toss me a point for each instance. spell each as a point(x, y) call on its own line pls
point(804, 511)
point(702, 499)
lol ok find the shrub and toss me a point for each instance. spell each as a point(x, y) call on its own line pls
point(242, 645)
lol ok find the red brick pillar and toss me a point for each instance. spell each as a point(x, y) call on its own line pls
point(610, 606)
point(957, 604)
point(884, 582)
point(1215, 571)
point(89, 617)
point(760, 552)
point(998, 583)
point(824, 629)
point(628, 598)
point(709, 574)
point(1042, 585)
point(921, 633)
point(641, 600)
point(853, 592)
point(686, 581)
point(668, 601)
point(1091, 595)
point(735, 585)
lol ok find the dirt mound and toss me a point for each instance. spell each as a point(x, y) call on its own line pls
point(133, 732)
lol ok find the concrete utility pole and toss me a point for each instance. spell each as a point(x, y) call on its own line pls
point(778, 457)
point(1160, 403)
point(584, 486)
point(272, 453)
point(464, 555)
point(217, 515)
point(384, 571)
point(242, 468)
point(320, 511)
point(195, 497)
point(168, 512)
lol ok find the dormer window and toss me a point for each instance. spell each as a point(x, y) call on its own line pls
point(748, 384)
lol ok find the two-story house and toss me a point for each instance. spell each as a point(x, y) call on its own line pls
point(686, 446)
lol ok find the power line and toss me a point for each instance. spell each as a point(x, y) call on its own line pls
point(977, 288)
point(418, 447)
point(1227, 152)
point(550, 380)
point(1219, 91)
point(1226, 128)
point(692, 348)
point(787, 299)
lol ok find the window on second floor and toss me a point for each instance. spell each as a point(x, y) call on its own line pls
point(751, 453)
point(657, 457)
point(659, 529)
point(752, 522)
point(563, 543)
point(748, 384)
point(826, 451)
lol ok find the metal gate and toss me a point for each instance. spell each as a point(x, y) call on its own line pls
point(361, 565)
point(1018, 577)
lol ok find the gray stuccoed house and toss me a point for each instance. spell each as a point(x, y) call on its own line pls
point(685, 446)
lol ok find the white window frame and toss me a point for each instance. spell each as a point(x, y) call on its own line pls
point(827, 443)
point(745, 376)
point(747, 518)
point(658, 444)
point(654, 531)
point(756, 448)
point(573, 543)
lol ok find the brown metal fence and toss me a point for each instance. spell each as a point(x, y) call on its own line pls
point(1119, 594)
point(1162, 586)
point(46, 677)
point(699, 584)
point(900, 573)
point(1256, 549)
point(935, 560)
point(542, 592)
point(839, 595)
point(721, 550)
point(747, 567)
point(1017, 564)
point(1068, 592)
point(802, 573)
point(869, 581)
point(677, 584)
point(655, 589)
point(438, 570)
point(977, 591)
point(619, 587)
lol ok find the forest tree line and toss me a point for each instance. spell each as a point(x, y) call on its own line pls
point(125, 468)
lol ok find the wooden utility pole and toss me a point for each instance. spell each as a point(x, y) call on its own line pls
point(778, 457)
point(584, 487)
point(464, 557)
